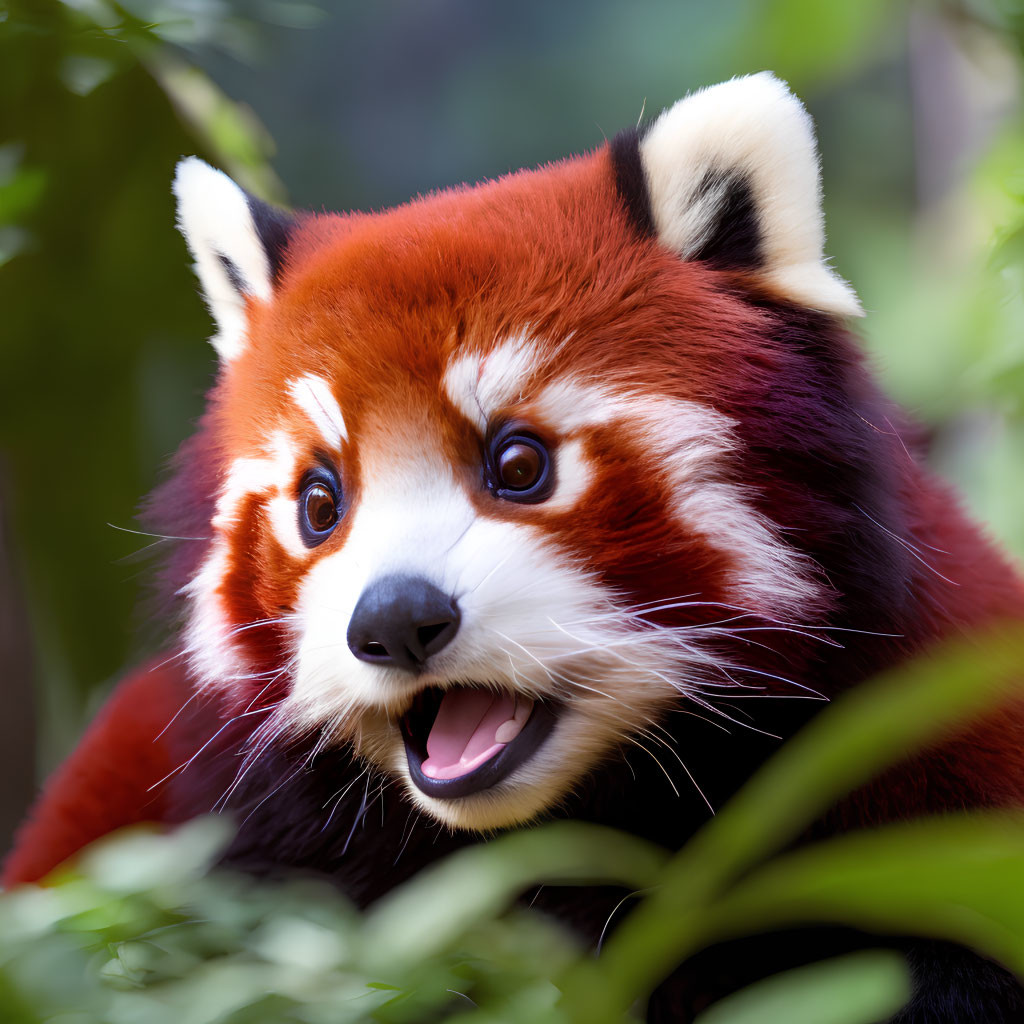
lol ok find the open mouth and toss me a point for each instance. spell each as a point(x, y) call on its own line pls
point(467, 738)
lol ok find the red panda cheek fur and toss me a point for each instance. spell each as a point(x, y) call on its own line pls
point(723, 461)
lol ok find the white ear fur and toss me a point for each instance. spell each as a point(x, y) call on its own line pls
point(215, 217)
point(754, 130)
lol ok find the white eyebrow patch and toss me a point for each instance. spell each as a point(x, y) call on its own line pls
point(571, 406)
point(479, 385)
point(313, 396)
point(271, 475)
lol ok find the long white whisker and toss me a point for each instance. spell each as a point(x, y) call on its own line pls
point(729, 718)
point(158, 536)
point(652, 756)
point(174, 717)
point(910, 548)
point(231, 721)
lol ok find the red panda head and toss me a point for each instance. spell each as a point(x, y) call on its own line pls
point(492, 479)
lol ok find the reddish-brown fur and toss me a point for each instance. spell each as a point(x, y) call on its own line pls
point(111, 778)
point(370, 303)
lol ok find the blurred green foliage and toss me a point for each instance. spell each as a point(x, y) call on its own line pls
point(143, 928)
point(101, 335)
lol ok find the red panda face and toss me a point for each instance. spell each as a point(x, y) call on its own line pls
point(480, 509)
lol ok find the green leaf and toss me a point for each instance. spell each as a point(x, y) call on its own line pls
point(876, 725)
point(426, 915)
point(807, 42)
point(861, 988)
point(231, 132)
point(141, 858)
point(956, 878)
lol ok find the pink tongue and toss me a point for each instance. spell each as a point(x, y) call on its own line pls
point(463, 734)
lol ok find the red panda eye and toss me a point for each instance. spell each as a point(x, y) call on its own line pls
point(519, 466)
point(320, 508)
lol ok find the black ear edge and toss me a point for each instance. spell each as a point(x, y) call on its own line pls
point(631, 180)
point(274, 227)
point(732, 239)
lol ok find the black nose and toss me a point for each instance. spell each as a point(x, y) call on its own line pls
point(401, 621)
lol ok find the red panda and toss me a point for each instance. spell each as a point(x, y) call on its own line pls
point(508, 496)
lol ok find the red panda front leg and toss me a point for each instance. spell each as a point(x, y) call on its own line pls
point(110, 779)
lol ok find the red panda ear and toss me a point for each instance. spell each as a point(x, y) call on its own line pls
point(238, 243)
point(731, 174)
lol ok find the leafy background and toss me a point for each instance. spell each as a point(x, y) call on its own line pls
point(102, 358)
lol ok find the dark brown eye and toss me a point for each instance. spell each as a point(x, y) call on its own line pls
point(519, 466)
point(320, 508)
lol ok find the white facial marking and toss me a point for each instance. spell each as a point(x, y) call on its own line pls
point(692, 442)
point(480, 386)
point(251, 475)
point(313, 396)
point(208, 633)
point(573, 477)
point(283, 515)
point(211, 654)
point(404, 524)
point(572, 406)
